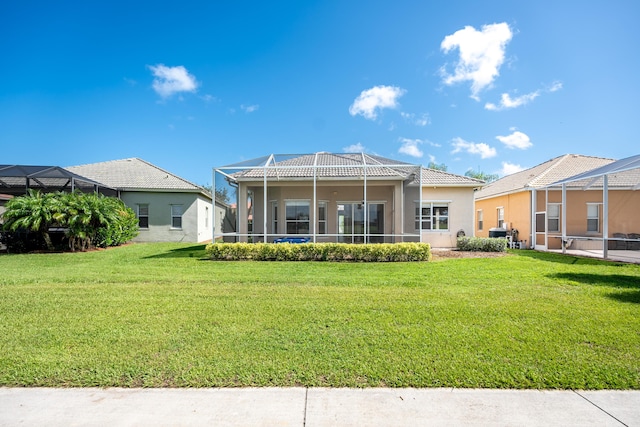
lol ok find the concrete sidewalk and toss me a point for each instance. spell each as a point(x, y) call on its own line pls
point(316, 407)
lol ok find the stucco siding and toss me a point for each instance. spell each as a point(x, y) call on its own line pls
point(517, 214)
point(461, 217)
point(160, 227)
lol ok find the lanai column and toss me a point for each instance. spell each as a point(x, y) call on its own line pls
point(564, 218)
point(605, 216)
point(364, 172)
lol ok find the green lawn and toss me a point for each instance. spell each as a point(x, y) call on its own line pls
point(155, 315)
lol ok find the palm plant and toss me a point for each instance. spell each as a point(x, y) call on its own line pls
point(33, 212)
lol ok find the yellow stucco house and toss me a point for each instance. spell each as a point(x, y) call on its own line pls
point(529, 205)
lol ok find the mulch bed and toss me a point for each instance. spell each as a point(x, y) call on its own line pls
point(447, 254)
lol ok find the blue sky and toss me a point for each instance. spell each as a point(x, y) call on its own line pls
point(494, 86)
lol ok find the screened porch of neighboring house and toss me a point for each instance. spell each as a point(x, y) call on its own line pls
point(594, 212)
point(322, 197)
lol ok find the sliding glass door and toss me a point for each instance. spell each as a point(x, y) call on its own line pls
point(351, 225)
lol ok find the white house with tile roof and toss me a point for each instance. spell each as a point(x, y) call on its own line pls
point(169, 208)
point(524, 202)
point(349, 198)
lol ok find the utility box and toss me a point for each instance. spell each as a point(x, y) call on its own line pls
point(498, 232)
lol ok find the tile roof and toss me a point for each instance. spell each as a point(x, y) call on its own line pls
point(621, 173)
point(134, 174)
point(441, 178)
point(327, 165)
point(344, 166)
point(542, 175)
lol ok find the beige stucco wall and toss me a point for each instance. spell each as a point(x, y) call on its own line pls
point(333, 192)
point(160, 230)
point(461, 216)
point(624, 206)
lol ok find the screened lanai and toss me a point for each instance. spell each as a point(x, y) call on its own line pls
point(596, 211)
point(17, 180)
point(319, 197)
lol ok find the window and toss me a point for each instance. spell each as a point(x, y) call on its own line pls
point(500, 217)
point(322, 218)
point(480, 218)
point(593, 217)
point(176, 216)
point(274, 217)
point(553, 217)
point(432, 216)
point(143, 215)
point(206, 217)
point(297, 216)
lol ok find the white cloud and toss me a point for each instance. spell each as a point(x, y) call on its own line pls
point(509, 168)
point(484, 150)
point(516, 140)
point(507, 102)
point(410, 147)
point(422, 120)
point(481, 55)
point(208, 98)
point(170, 80)
point(555, 86)
point(372, 100)
point(354, 148)
point(249, 108)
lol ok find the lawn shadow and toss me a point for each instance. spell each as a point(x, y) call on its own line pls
point(196, 251)
point(563, 258)
point(630, 283)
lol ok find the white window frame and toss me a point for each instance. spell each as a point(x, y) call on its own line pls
point(480, 219)
point(322, 204)
point(274, 217)
point(591, 217)
point(174, 216)
point(553, 217)
point(299, 202)
point(140, 215)
point(500, 216)
point(433, 218)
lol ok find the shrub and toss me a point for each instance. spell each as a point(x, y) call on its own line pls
point(482, 244)
point(387, 252)
point(87, 220)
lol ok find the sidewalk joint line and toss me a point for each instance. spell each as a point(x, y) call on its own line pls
point(306, 396)
point(611, 415)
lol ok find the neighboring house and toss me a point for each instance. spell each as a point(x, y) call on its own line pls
point(523, 204)
point(169, 208)
point(4, 198)
point(350, 198)
point(609, 197)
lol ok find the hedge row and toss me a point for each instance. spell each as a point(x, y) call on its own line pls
point(482, 244)
point(386, 252)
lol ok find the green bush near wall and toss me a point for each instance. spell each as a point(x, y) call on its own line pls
point(386, 252)
point(482, 244)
